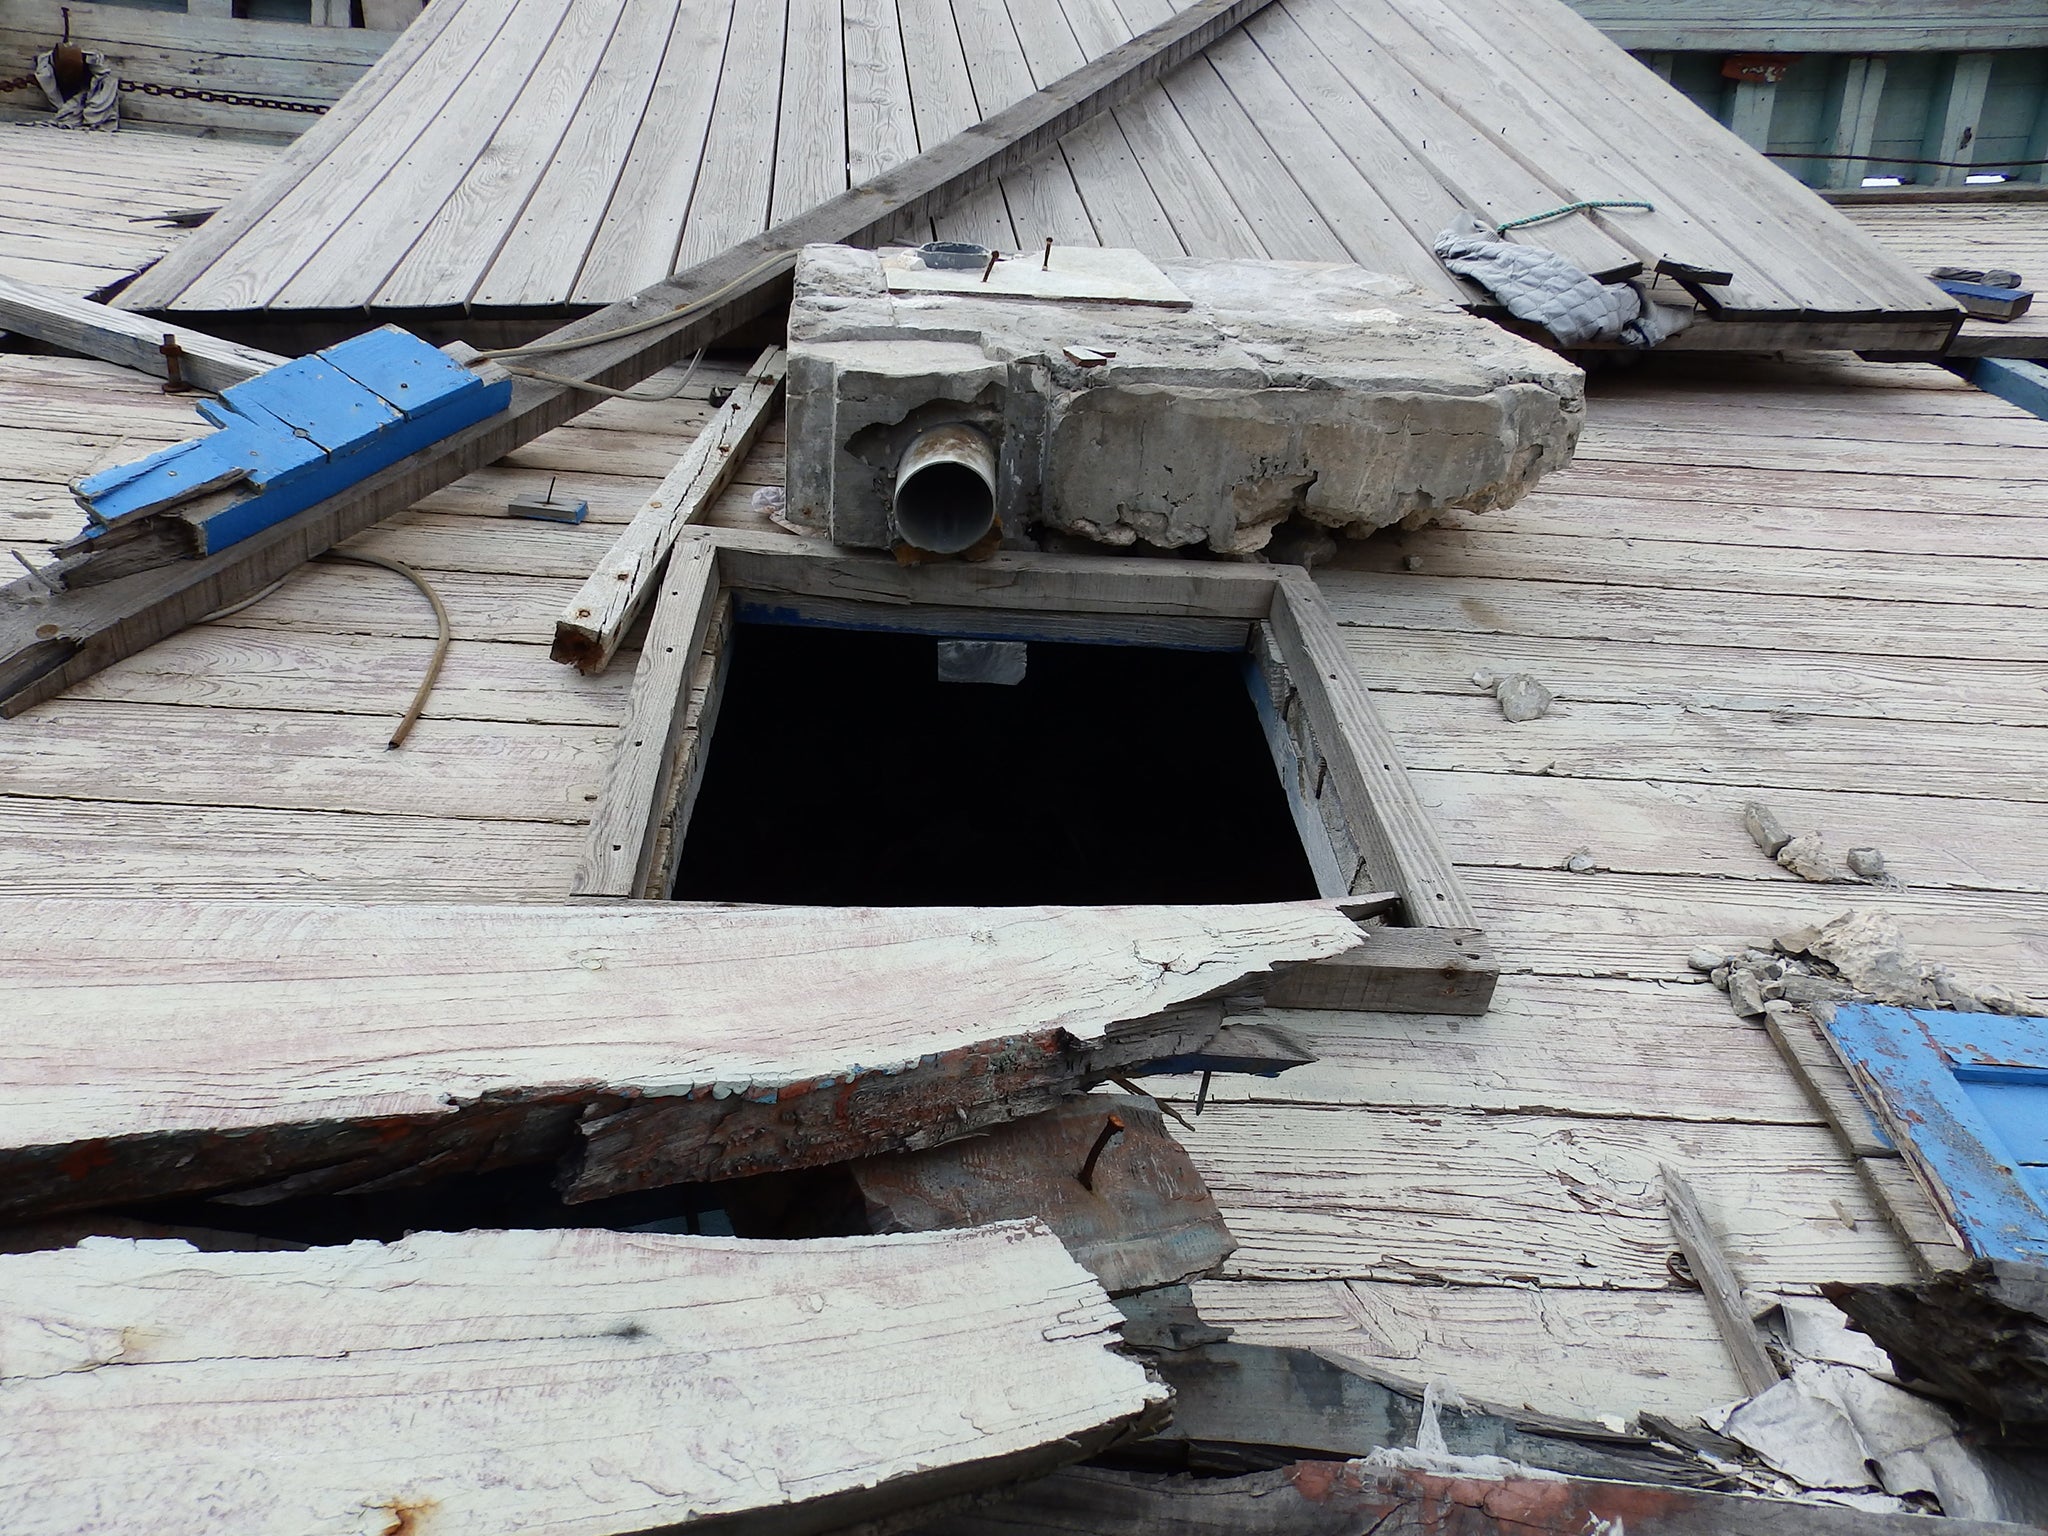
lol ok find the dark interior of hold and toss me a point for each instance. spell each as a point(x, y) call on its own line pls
point(842, 772)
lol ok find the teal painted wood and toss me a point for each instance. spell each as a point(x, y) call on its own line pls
point(2019, 383)
point(299, 433)
point(1968, 1094)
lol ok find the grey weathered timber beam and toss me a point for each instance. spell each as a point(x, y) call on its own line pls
point(649, 1043)
point(48, 642)
point(115, 336)
point(1398, 970)
point(588, 633)
point(1703, 1251)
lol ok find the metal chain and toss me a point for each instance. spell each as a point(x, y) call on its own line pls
point(225, 98)
point(188, 93)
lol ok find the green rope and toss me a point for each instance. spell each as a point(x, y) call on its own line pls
point(1558, 213)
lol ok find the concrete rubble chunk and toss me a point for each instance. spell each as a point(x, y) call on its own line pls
point(1764, 828)
point(1706, 961)
point(1746, 993)
point(1807, 857)
point(1327, 393)
point(1867, 863)
point(1522, 698)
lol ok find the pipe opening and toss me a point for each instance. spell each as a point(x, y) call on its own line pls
point(946, 490)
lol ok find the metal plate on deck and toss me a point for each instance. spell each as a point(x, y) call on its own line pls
point(1069, 272)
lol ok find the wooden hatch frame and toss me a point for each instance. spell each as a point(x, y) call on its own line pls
point(1358, 815)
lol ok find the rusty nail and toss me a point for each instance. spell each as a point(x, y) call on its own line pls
point(1112, 1127)
point(174, 372)
point(993, 258)
point(1202, 1096)
point(1046, 264)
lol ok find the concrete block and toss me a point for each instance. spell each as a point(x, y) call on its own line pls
point(1281, 389)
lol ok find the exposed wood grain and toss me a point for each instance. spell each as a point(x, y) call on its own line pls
point(1399, 970)
point(591, 628)
point(1420, 1195)
point(1710, 1266)
point(811, 143)
point(1587, 1352)
point(450, 1378)
point(80, 325)
point(347, 1043)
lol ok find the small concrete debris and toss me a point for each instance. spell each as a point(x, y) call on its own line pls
point(1580, 863)
point(1522, 698)
point(1764, 828)
point(1411, 562)
point(1857, 957)
point(1807, 857)
point(1866, 862)
point(1704, 960)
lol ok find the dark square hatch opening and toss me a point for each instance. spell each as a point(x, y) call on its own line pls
point(843, 771)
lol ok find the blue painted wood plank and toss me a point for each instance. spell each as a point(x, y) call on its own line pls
point(2013, 380)
point(1987, 1039)
point(303, 432)
point(1989, 1193)
point(2013, 1102)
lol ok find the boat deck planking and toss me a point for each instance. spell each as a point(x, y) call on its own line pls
point(1470, 1197)
point(1324, 130)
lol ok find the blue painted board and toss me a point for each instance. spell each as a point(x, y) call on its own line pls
point(300, 433)
point(2012, 379)
point(1968, 1094)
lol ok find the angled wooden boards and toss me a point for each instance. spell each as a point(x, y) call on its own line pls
point(173, 1046)
point(48, 643)
point(79, 325)
point(569, 1381)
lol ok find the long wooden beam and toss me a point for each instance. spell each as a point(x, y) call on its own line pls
point(48, 642)
point(603, 1383)
point(115, 336)
point(158, 1048)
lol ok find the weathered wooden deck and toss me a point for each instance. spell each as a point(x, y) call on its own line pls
point(1972, 232)
point(1817, 585)
point(514, 153)
point(81, 211)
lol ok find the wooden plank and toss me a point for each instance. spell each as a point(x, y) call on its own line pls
point(992, 623)
point(1398, 970)
point(241, 258)
point(881, 124)
point(1957, 108)
point(354, 258)
point(131, 849)
point(1024, 581)
point(79, 325)
point(1121, 203)
point(1401, 849)
point(635, 241)
point(596, 620)
point(1588, 1353)
point(1549, 1045)
point(470, 1037)
point(596, 1355)
point(812, 148)
point(1478, 168)
point(43, 650)
point(1710, 1267)
point(543, 243)
point(446, 261)
point(1416, 1196)
point(1041, 197)
point(1206, 222)
point(736, 176)
point(1856, 120)
point(620, 848)
point(1141, 1219)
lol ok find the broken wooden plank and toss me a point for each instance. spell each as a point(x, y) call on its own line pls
point(48, 642)
point(572, 1380)
point(604, 608)
point(1398, 970)
point(181, 1046)
point(115, 335)
point(1101, 1170)
point(1336, 1498)
point(1253, 1407)
point(1715, 1275)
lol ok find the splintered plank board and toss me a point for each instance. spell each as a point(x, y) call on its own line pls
point(571, 1381)
point(184, 1045)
